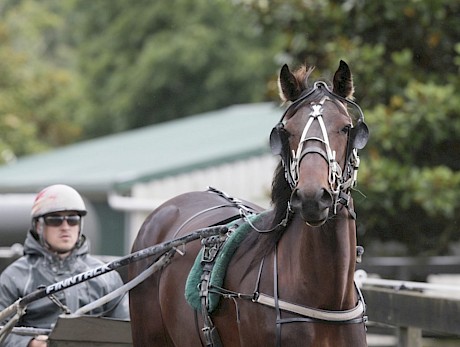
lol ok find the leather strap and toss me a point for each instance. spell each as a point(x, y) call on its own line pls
point(315, 314)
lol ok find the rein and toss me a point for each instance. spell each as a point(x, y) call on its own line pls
point(18, 308)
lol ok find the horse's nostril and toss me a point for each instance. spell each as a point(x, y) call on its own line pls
point(296, 197)
point(325, 198)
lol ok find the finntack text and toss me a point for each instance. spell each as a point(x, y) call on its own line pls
point(68, 282)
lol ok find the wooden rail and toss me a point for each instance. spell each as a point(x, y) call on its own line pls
point(410, 268)
point(412, 313)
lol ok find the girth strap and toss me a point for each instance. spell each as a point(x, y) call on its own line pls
point(211, 245)
point(210, 333)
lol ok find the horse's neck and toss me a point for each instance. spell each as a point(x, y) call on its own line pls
point(320, 262)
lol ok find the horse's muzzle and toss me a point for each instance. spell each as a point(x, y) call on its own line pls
point(312, 206)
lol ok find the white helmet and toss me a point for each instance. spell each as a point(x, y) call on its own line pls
point(56, 198)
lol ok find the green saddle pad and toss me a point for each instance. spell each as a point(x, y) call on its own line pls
point(192, 291)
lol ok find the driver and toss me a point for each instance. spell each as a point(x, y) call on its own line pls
point(56, 249)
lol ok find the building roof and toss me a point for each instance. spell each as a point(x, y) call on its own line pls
point(147, 153)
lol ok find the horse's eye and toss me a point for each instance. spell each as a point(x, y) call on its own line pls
point(346, 129)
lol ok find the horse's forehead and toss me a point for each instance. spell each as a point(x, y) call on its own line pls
point(334, 115)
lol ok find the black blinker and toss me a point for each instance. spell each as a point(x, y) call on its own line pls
point(359, 135)
point(276, 140)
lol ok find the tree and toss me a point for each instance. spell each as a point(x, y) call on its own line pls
point(405, 57)
point(73, 70)
point(36, 90)
point(94, 68)
point(146, 62)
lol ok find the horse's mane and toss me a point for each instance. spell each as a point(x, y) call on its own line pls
point(265, 242)
point(280, 195)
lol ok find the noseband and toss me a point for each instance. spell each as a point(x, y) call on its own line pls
point(335, 171)
point(339, 183)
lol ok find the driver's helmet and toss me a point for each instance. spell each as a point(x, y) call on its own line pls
point(57, 198)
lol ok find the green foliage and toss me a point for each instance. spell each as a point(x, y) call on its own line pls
point(405, 59)
point(411, 173)
point(147, 62)
point(35, 92)
point(79, 69)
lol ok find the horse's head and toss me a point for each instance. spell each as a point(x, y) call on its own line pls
point(317, 139)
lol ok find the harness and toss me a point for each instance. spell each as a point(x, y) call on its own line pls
point(307, 314)
point(211, 248)
point(340, 181)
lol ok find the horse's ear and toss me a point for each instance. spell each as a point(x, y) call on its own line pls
point(289, 88)
point(343, 81)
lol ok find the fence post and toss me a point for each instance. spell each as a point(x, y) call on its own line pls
point(409, 337)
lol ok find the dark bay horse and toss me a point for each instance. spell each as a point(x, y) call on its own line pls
point(290, 282)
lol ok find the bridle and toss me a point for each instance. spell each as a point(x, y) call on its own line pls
point(340, 180)
point(329, 155)
point(340, 183)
